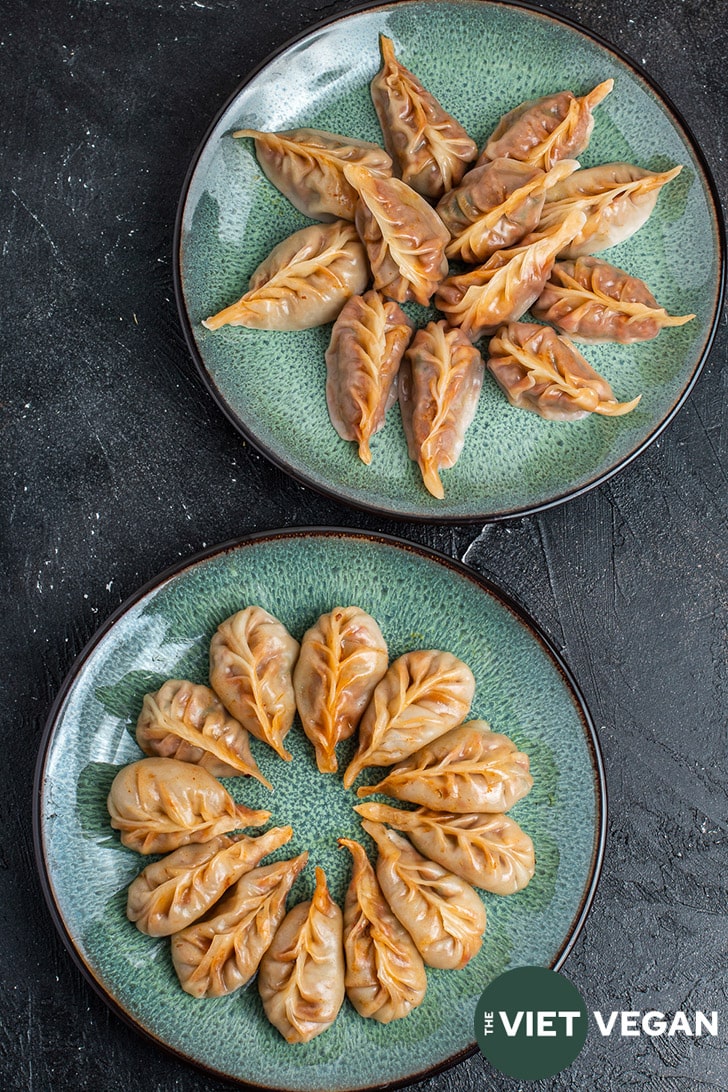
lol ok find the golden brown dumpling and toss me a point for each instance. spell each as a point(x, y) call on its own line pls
point(159, 804)
point(251, 660)
point(222, 951)
point(301, 976)
point(385, 974)
point(343, 657)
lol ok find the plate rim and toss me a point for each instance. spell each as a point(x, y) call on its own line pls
point(329, 490)
point(505, 598)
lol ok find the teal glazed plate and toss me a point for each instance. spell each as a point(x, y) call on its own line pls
point(421, 600)
point(480, 59)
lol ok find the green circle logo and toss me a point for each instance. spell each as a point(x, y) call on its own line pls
point(530, 1023)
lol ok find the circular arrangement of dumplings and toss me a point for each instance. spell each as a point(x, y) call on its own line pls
point(522, 214)
point(225, 911)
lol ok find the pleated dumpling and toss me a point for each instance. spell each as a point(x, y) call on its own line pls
point(385, 974)
point(343, 657)
point(430, 149)
point(251, 662)
point(442, 913)
point(301, 975)
point(304, 281)
point(160, 804)
point(221, 952)
point(439, 387)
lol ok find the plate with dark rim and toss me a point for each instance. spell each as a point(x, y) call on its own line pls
point(421, 599)
point(470, 53)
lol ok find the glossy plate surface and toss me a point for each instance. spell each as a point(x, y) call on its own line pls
point(481, 60)
point(421, 600)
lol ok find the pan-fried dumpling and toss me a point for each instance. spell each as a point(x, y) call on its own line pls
point(468, 769)
point(489, 851)
point(439, 387)
point(404, 237)
point(221, 952)
point(441, 912)
point(301, 976)
point(546, 130)
point(159, 804)
point(423, 695)
point(343, 657)
point(541, 371)
point(251, 662)
point(189, 722)
point(510, 281)
point(304, 281)
point(496, 205)
point(307, 165)
point(593, 301)
point(430, 149)
point(616, 198)
point(385, 974)
point(362, 362)
point(172, 893)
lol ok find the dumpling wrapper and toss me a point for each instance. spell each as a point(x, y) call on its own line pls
point(442, 913)
point(423, 694)
point(160, 804)
point(490, 851)
point(468, 769)
point(543, 372)
point(307, 166)
point(189, 722)
point(439, 387)
point(546, 130)
point(430, 149)
point(304, 281)
point(362, 363)
point(405, 239)
point(385, 974)
point(251, 662)
point(301, 976)
point(343, 657)
point(221, 952)
point(172, 893)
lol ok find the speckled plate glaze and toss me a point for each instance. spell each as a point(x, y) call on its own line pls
point(421, 600)
point(481, 59)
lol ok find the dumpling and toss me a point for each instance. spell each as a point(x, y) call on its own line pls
point(304, 281)
point(546, 130)
point(172, 893)
point(430, 149)
point(616, 198)
point(510, 281)
point(541, 371)
point(307, 165)
point(489, 851)
point(404, 237)
point(189, 722)
point(221, 952)
point(441, 912)
point(423, 695)
point(343, 657)
point(385, 975)
point(439, 387)
point(159, 804)
point(593, 301)
point(251, 662)
point(362, 362)
point(468, 769)
point(496, 205)
point(301, 976)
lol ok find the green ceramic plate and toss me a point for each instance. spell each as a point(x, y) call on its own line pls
point(421, 600)
point(480, 59)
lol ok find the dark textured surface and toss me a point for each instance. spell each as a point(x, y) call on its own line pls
point(117, 464)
